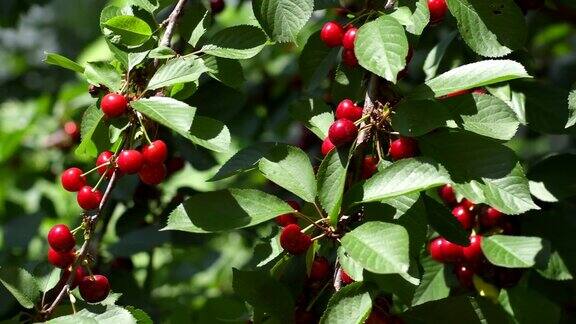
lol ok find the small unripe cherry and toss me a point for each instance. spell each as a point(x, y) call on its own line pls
point(331, 34)
point(293, 240)
point(155, 152)
point(349, 38)
point(345, 278)
point(342, 132)
point(402, 148)
point(88, 199)
point(446, 192)
point(289, 218)
point(60, 238)
point(349, 58)
point(437, 10)
point(152, 174)
point(94, 288)
point(464, 216)
point(348, 110)
point(72, 179)
point(490, 217)
point(130, 161)
point(327, 146)
point(473, 253)
point(465, 274)
point(369, 166)
point(217, 6)
point(61, 260)
point(102, 163)
point(71, 128)
point(113, 105)
point(320, 269)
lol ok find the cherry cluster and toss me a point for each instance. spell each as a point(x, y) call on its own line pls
point(468, 261)
point(333, 35)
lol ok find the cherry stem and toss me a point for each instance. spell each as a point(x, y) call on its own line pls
point(94, 169)
point(313, 222)
point(318, 237)
point(361, 120)
point(76, 229)
point(143, 128)
point(100, 180)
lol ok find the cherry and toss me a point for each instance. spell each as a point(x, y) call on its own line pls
point(72, 179)
point(465, 275)
point(217, 6)
point(464, 216)
point(152, 174)
point(79, 274)
point(438, 10)
point(342, 131)
point(345, 278)
point(89, 199)
point(130, 161)
point(490, 217)
point(113, 105)
point(332, 34)
point(320, 269)
point(349, 58)
point(404, 147)
point(293, 240)
point(61, 260)
point(348, 110)
point(60, 238)
point(473, 253)
point(327, 146)
point(155, 152)
point(94, 288)
point(369, 166)
point(443, 250)
point(457, 93)
point(287, 219)
point(349, 38)
point(101, 163)
point(447, 194)
point(72, 129)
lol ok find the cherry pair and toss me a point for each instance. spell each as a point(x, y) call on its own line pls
point(445, 251)
point(333, 35)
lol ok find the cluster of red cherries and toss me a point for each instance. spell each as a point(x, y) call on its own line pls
point(334, 35)
point(470, 260)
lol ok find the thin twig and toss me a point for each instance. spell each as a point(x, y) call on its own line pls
point(165, 41)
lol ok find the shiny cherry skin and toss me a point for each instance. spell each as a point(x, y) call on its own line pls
point(293, 240)
point(113, 105)
point(289, 218)
point(101, 163)
point(61, 260)
point(464, 216)
point(346, 279)
point(60, 238)
point(71, 128)
point(320, 269)
point(72, 179)
point(332, 34)
point(155, 152)
point(94, 289)
point(438, 9)
point(465, 274)
point(349, 58)
point(402, 148)
point(447, 194)
point(445, 251)
point(369, 166)
point(349, 38)
point(473, 253)
point(88, 199)
point(152, 174)
point(348, 110)
point(130, 161)
point(342, 132)
point(490, 217)
point(327, 146)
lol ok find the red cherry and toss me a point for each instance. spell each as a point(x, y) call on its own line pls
point(435, 249)
point(217, 6)
point(447, 194)
point(349, 38)
point(130, 161)
point(113, 105)
point(289, 218)
point(61, 260)
point(465, 275)
point(348, 110)
point(88, 199)
point(467, 204)
point(293, 240)
point(175, 164)
point(72, 129)
point(152, 174)
point(345, 278)
point(443, 250)
point(320, 269)
point(473, 253)
point(103, 165)
point(369, 166)
point(404, 147)
point(349, 58)
point(490, 217)
point(60, 238)
point(332, 34)
point(72, 179)
point(464, 216)
point(155, 152)
point(327, 146)
point(437, 10)
point(342, 131)
point(94, 288)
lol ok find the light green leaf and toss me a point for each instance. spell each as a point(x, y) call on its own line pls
point(315, 115)
point(61, 61)
point(162, 52)
point(415, 19)
point(135, 59)
point(515, 251)
point(148, 5)
point(331, 178)
point(349, 305)
point(178, 70)
point(433, 285)
point(572, 108)
point(103, 73)
point(556, 268)
point(94, 133)
point(282, 20)
point(21, 285)
point(128, 30)
point(111, 314)
point(210, 133)
point(169, 112)
point(227, 43)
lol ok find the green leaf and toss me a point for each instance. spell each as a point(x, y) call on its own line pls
point(201, 20)
point(554, 184)
point(352, 268)
point(103, 73)
point(243, 160)
point(315, 115)
point(555, 269)
point(349, 305)
point(470, 76)
point(162, 52)
point(225, 210)
point(94, 133)
point(331, 178)
point(21, 285)
point(148, 5)
point(418, 117)
point(227, 44)
point(224, 70)
point(515, 251)
point(178, 70)
point(290, 168)
point(443, 222)
point(491, 28)
point(61, 61)
point(169, 112)
point(282, 20)
point(210, 133)
point(379, 247)
point(572, 108)
point(46, 276)
point(436, 55)
point(433, 285)
point(415, 19)
point(111, 314)
point(510, 194)
point(139, 315)
point(528, 306)
point(381, 47)
point(134, 59)
point(315, 62)
point(128, 30)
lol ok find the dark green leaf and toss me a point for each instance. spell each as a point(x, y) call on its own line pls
point(349, 305)
point(445, 223)
point(331, 178)
point(227, 44)
point(282, 20)
point(21, 285)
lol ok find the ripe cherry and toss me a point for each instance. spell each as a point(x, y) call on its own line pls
point(293, 240)
point(342, 132)
point(465, 274)
point(469, 205)
point(155, 152)
point(72, 179)
point(72, 129)
point(217, 6)
point(79, 273)
point(369, 166)
point(349, 58)
point(447, 194)
point(102, 163)
point(327, 146)
point(60, 238)
point(345, 278)
point(152, 174)
point(332, 34)
point(443, 250)
point(473, 253)
point(61, 260)
point(404, 147)
point(490, 217)
point(287, 219)
point(349, 38)
point(130, 161)
point(94, 288)
point(113, 105)
point(320, 269)
point(89, 199)
point(464, 216)
point(348, 110)
point(437, 10)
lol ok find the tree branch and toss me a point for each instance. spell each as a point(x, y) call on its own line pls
point(165, 41)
